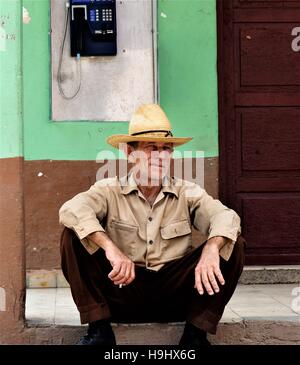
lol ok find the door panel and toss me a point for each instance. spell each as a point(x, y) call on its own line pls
point(272, 227)
point(259, 125)
point(265, 55)
point(269, 140)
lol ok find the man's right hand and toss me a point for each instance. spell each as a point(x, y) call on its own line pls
point(123, 271)
point(123, 268)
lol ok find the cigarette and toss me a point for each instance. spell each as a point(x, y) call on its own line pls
point(120, 286)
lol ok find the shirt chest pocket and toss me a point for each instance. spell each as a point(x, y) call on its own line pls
point(176, 238)
point(124, 235)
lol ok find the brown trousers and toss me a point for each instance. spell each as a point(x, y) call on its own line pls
point(164, 296)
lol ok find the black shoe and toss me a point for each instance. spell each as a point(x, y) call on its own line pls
point(99, 333)
point(193, 337)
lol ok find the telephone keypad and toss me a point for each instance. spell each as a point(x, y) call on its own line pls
point(106, 15)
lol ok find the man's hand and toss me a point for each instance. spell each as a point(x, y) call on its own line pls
point(123, 268)
point(207, 271)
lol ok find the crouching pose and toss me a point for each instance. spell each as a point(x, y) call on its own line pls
point(127, 250)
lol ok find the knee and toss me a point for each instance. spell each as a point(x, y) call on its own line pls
point(241, 243)
point(239, 250)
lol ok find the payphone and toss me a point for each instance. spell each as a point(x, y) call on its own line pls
point(93, 32)
point(93, 28)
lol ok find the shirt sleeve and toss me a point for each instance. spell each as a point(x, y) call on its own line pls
point(84, 212)
point(212, 218)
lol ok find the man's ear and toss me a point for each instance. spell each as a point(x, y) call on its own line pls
point(129, 152)
point(126, 149)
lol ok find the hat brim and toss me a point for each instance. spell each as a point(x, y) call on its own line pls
point(116, 139)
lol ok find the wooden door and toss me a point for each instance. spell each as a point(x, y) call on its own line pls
point(259, 124)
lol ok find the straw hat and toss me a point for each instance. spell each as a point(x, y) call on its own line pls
point(148, 123)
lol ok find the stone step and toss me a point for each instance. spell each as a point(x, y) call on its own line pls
point(283, 274)
point(248, 332)
point(251, 275)
point(256, 314)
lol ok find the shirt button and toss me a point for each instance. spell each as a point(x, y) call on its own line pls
point(150, 242)
point(150, 219)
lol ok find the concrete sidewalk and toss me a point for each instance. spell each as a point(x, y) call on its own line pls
point(266, 314)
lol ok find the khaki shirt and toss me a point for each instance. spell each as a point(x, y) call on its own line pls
point(149, 236)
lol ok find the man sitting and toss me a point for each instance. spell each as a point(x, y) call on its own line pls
point(127, 250)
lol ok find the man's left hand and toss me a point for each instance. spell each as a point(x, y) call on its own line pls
point(207, 271)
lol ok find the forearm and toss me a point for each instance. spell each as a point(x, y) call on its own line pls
point(217, 242)
point(101, 239)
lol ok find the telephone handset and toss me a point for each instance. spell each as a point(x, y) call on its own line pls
point(93, 28)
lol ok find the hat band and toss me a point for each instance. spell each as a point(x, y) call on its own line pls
point(168, 133)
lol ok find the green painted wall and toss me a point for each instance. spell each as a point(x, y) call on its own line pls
point(188, 70)
point(10, 79)
point(188, 85)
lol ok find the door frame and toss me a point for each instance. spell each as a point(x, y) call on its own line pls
point(224, 94)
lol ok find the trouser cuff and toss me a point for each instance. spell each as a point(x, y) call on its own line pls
point(206, 321)
point(92, 314)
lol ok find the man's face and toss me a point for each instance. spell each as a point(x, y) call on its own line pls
point(152, 161)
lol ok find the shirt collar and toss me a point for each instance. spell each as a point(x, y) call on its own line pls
point(128, 184)
point(168, 186)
